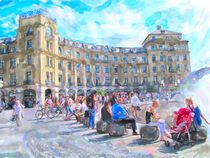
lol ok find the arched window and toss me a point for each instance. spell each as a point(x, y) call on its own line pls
point(29, 31)
point(48, 31)
point(154, 68)
point(59, 50)
point(69, 52)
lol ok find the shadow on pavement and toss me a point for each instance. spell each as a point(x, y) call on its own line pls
point(137, 142)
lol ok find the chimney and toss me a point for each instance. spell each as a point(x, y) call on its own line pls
point(158, 27)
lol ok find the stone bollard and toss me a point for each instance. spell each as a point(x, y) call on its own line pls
point(82, 118)
point(102, 127)
point(85, 122)
point(200, 134)
point(151, 133)
point(116, 130)
point(128, 126)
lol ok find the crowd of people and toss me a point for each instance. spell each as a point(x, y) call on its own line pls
point(111, 108)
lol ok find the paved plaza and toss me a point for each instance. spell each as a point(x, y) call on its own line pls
point(57, 138)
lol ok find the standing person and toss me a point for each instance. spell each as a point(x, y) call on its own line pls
point(61, 100)
point(135, 104)
point(68, 104)
point(49, 102)
point(17, 110)
point(91, 103)
point(3, 104)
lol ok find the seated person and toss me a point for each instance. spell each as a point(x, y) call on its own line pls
point(77, 109)
point(196, 110)
point(151, 114)
point(80, 112)
point(120, 115)
point(106, 112)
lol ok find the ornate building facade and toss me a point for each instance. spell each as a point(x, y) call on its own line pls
point(38, 62)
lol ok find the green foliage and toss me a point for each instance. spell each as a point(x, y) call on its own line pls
point(101, 92)
point(151, 89)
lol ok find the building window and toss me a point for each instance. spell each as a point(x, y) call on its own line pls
point(28, 60)
point(96, 57)
point(48, 31)
point(106, 80)
point(114, 49)
point(87, 56)
point(51, 65)
point(124, 58)
point(78, 67)
point(50, 46)
point(155, 79)
point(59, 50)
point(134, 69)
point(28, 76)
point(29, 31)
point(116, 81)
point(2, 50)
point(168, 47)
point(69, 80)
point(88, 80)
point(12, 63)
point(144, 68)
point(178, 67)
point(161, 57)
point(144, 59)
point(51, 77)
point(175, 47)
point(153, 37)
point(69, 52)
point(97, 81)
point(105, 49)
point(184, 57)
point(135, 80)
point(171, 80)
point(106, 57)
point(94, 48)
point(125, 70)
point(154, 68)
point(115, 69)
point(185, 67)
point(77, 44)
point(1, 64)
point(47, 76)
point(60, 78)
point(106, 69)
point(166, 37)
point(78, 55)
point(153, 58)
point(126, 80)
point(87, 68)
point(78, 81)
point(183, 47)
point(152, 47)
point(1, 78)
point(177, 57)
point(162, 68)
point(29, 43)
point(59, 64)
point(144, 79)
point(47, 60)
point(169, 59)
point(14, 49)
point(170, 68)
point(97, 69)
point(69, 66)
point(160, 47)
point(115, 58)
point(12, 79)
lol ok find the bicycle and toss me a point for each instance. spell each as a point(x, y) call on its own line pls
point(44, 111)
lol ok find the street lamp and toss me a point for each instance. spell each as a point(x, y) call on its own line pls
point(1, 85)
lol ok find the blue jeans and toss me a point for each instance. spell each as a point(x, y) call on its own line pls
point(92, 113)
point(68, 110)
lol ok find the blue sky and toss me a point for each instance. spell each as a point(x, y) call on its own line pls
point(120, 22)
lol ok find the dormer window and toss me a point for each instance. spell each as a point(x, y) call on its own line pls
point(152, 47)
point(166, 37)
point(78, 55)
point(175, 47)
point(59, 50)
point(153, 37)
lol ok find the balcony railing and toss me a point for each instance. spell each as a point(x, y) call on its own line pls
point(12, 83)
point(28, 82)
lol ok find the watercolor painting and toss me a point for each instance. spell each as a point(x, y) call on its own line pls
point(104, 78)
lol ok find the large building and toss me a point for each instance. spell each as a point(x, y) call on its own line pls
point(38, 62)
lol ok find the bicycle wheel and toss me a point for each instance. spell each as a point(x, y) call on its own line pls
point(50, 114)
point(39, 114)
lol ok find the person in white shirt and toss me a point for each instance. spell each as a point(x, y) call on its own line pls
point(135, 104)
point(18, 109)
